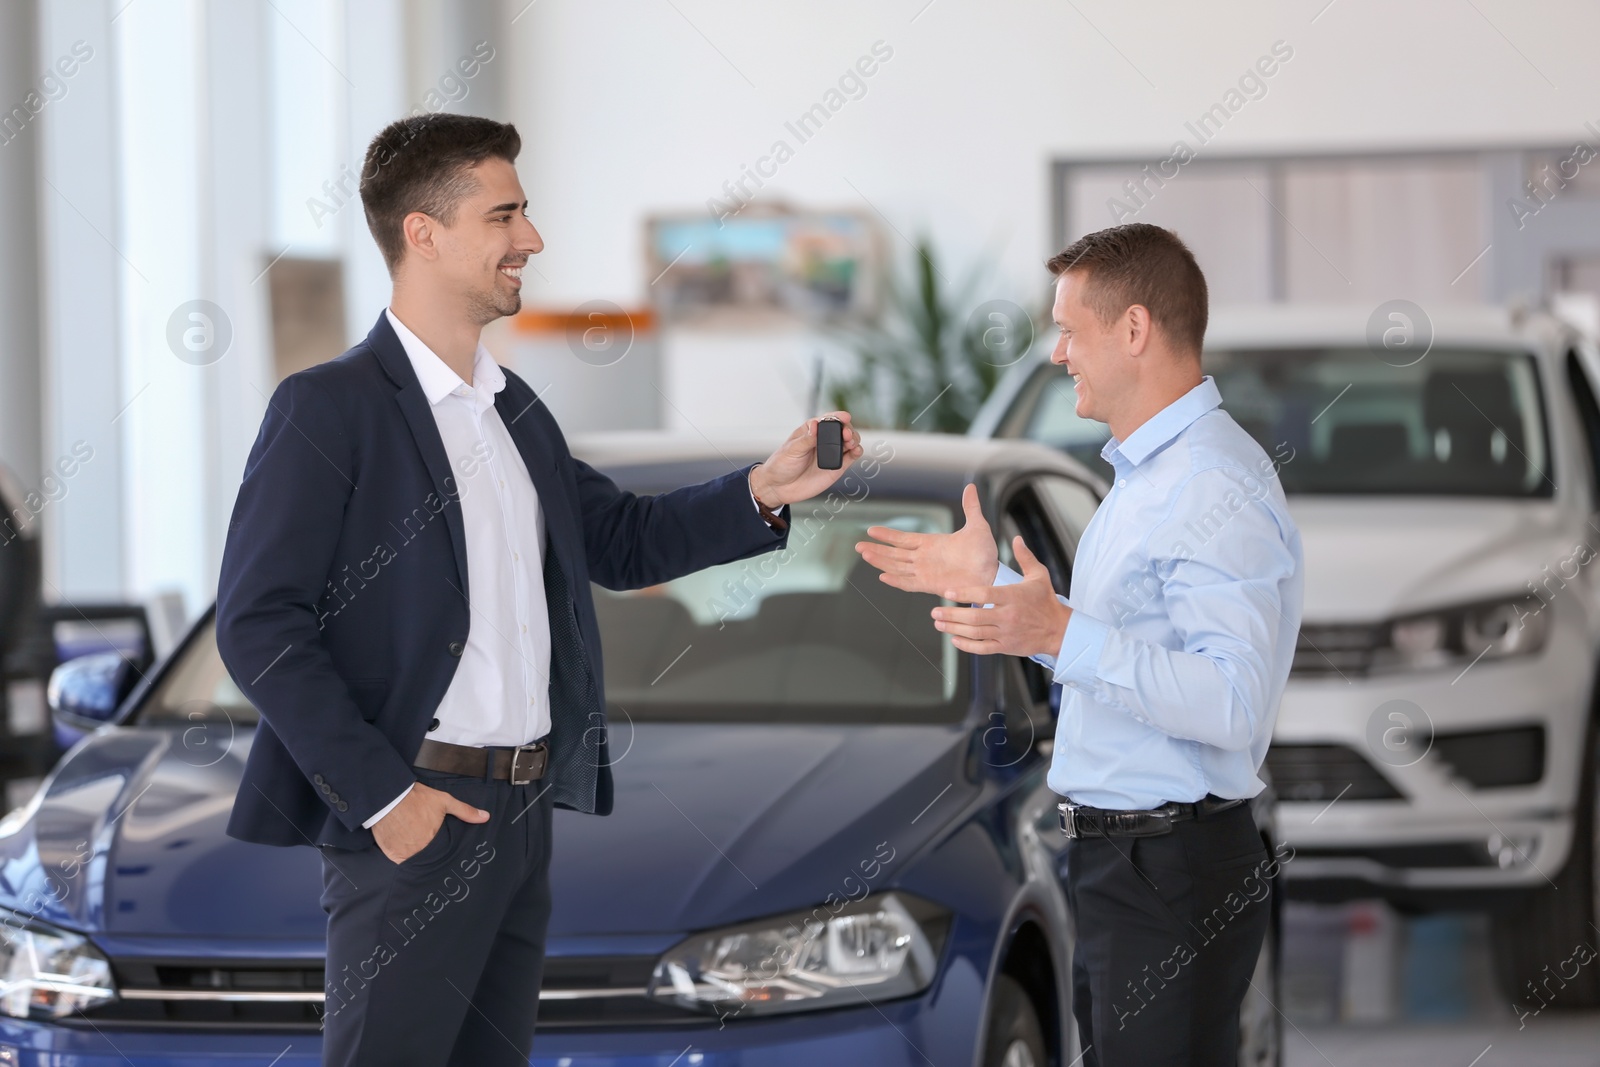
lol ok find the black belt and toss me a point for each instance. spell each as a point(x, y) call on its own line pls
point(520, 765)
point(1080, 820)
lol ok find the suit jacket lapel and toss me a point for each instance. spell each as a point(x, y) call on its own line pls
point(419, 417)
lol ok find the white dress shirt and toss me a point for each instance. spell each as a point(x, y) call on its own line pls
point(500, 693)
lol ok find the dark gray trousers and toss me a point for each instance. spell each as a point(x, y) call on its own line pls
point(1168, 932)
point(438, 960)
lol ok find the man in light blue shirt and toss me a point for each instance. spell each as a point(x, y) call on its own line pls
point(1173, 647)
point(1182, 621)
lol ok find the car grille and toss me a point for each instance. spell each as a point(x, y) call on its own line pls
point(1491, 759)
point(606, 992)
point(1324, 772)
point(1337, 650)
point(275, 995)
point(185, 994)
point(1429, 857)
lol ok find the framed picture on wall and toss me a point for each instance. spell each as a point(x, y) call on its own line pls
point(758, 265)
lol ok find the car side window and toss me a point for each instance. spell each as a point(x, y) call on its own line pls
point(1589, 414)
point(1024, 513)
point(1074, 505)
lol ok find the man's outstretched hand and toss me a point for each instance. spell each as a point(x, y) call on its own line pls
point(413, 822)
point(933, 563)
point(791, 474)
point(1024, 619)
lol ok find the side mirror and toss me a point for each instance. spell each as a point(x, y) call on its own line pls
point(84, 693)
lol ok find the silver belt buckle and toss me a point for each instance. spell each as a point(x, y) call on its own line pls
point(539, 754)
point(1069, 822)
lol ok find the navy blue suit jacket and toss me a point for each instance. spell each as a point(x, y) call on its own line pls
point(342, 606)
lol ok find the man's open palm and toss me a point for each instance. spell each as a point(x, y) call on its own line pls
point(932, 563)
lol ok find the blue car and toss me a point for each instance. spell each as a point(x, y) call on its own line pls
point(833, 842)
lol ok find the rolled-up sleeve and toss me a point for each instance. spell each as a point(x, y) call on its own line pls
point(1221, 584)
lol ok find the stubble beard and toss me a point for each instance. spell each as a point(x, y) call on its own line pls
point(487, 306)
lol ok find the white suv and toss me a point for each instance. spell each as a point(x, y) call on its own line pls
point(1436, 743)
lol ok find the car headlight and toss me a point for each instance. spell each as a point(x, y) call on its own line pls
point(1496, 629)
point(1511, 626)
point(879, 948)
point(47, 972)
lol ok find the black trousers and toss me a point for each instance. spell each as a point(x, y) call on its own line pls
point(1168, 932)
point(438, 960)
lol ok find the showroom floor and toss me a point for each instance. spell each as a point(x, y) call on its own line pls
point(1364, 987)
point(1567, 1041)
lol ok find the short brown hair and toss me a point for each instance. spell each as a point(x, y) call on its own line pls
point(1141, 264)
point(420, 163)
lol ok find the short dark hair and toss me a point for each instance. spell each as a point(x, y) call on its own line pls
point(420, 163)
point(1141, 264)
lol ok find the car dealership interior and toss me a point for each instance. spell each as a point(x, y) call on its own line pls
point(750, 216)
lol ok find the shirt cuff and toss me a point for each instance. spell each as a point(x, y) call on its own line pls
point(774, 523)
point(1004, 575)
point(1078, 662)
point(387, 808)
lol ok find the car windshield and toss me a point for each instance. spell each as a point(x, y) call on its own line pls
point(198, 688)
point(1339, 421)
point(807, 634)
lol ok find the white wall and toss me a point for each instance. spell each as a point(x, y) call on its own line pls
point(628, 107)
point(633, 106)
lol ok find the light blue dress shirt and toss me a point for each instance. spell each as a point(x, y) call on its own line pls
point(1186, 597)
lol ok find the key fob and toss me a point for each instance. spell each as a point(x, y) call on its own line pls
point(830, 444)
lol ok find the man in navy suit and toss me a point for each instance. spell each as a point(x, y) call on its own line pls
point(405, 598)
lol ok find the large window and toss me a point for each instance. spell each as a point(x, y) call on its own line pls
point(1442, 227)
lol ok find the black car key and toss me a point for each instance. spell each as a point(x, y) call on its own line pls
point(830, 444)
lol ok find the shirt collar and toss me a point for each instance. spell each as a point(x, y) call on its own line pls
point(1164, 425)
point(435, 376)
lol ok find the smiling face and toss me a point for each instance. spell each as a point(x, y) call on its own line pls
point(1096, 354)
point(482, 252)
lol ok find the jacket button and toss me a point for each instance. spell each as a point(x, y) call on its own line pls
point(342, 806)
point(317, 778)
point(326, 789)
point(335, 798)
point(433, 725)
point(456, 648)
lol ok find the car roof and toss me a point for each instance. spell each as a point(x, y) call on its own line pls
point(937, 465)
point(1464, 325)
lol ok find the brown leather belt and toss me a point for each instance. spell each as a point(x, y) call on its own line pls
point(520, 765)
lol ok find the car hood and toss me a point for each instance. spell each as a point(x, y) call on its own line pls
point(712, 822)
point(1368, 558)
point(127, 837)
point(717, 822)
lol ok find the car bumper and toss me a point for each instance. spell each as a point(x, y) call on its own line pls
point(1441, 833)
point(27, 1044)
point(916, 1032)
